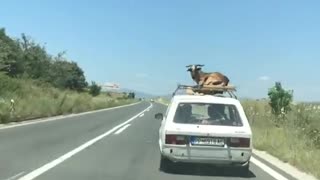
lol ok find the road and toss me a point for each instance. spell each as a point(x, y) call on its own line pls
point(117, 144)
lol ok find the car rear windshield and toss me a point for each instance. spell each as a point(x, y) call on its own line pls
point(207, 114)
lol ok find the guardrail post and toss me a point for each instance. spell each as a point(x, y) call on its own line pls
point(12, 107)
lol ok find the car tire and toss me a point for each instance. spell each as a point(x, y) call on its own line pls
point(165, 164)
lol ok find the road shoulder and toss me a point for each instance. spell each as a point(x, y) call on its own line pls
point(286, 168)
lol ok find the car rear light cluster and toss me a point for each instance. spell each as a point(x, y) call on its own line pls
point(176, 139)
point(239, 142)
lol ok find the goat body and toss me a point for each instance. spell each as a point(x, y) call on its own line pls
point(214, 78)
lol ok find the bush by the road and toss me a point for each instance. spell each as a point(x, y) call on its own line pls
point(33, 99)
point(279, 101)
point(94, 89)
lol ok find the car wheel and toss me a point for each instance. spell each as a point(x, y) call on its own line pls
point(165, 164)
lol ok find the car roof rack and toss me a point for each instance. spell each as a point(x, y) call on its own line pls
point(207, 90)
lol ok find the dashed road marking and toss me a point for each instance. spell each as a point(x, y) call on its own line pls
point(32, 175)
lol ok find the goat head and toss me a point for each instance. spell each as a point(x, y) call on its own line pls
point(194, 67)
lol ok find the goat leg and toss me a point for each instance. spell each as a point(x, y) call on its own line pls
point(199, 86)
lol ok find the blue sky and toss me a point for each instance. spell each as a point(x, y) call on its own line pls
point(145, 45)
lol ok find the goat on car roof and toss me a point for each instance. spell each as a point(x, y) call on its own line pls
point(203, 79)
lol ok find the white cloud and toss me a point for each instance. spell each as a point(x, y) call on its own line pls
point(141, 75)
point(264, 78)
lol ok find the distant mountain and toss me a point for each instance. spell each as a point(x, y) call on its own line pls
point(166, 96)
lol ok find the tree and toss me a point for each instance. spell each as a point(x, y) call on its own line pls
point(94, 89)
point(65, 74)
point(25, 58)
point(36, 60)
point(10, 55)
point(280, 100)
point(131, 95)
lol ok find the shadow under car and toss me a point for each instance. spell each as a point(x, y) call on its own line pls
point(206, 170)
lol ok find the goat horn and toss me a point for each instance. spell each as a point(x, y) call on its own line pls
point(188, 66)
point(201, 65)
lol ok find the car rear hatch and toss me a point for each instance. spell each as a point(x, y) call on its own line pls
point(208, 141)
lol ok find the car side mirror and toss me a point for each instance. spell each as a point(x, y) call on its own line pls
point(159, 116)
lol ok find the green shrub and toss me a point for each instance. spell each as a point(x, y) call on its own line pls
point(279, 100)
point(94, 89)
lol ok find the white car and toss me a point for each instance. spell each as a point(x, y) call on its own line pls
point(205, 129)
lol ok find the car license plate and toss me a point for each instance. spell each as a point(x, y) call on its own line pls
point(207, 141)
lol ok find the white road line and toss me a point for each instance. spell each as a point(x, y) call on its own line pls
point(285, 167)
point(66, 156)
point(267, 169)
point(15, 176)
point(122, 129)
point(141, 115)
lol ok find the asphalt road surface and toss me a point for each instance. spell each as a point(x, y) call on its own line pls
point(117, 144)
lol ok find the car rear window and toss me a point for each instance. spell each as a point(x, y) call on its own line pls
point(207, 114)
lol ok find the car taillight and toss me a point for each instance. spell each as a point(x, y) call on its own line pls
point(175, 139)
point(239, 142)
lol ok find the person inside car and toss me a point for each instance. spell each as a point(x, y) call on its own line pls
point(183, 114)
point(216, 114)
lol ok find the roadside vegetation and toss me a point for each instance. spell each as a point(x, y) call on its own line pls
point(36, 84)
point(286, 130)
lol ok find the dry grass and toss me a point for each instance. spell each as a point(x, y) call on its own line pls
point(35, 101)
point(289, 142)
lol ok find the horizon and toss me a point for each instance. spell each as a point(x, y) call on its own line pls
point(145, 46)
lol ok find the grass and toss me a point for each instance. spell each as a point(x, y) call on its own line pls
point(289, 147)
point(35, 100)
point(290, 141)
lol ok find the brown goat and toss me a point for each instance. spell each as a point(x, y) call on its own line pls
point(202, 78)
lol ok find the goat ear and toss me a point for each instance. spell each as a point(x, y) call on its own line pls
point(189, 69)
point(198, 68)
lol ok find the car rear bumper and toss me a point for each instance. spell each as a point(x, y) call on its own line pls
point(222, 163)
point(208, 156)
